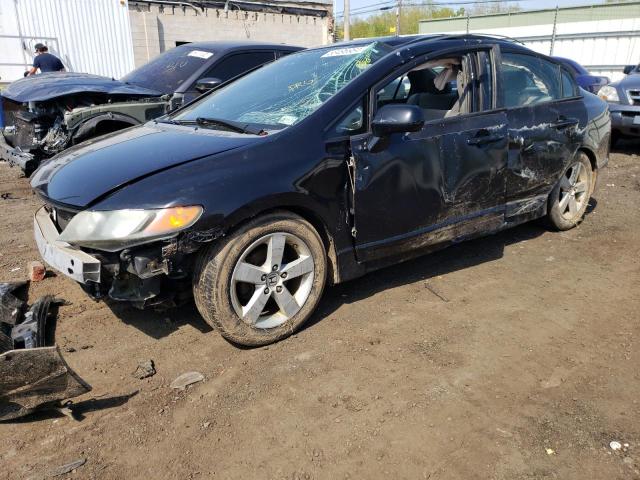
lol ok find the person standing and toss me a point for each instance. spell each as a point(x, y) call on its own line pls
point(44, 61)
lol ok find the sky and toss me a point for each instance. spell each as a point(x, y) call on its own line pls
point(524, 4)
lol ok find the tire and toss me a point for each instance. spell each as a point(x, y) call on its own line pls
point(232, 278)
point(569, 199)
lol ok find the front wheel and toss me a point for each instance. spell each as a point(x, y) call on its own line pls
point(569, 199)
point(260, 284)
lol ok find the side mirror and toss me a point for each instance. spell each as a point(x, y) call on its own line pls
point(397, 118)
point(628, 69)
point(206, 84)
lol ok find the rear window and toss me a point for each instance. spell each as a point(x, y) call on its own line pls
point(168, 71)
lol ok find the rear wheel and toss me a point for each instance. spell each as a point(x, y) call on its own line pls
point(570, 197)
point(262, 283)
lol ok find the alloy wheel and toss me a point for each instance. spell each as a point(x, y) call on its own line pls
point(574, 191)
point(272, 280)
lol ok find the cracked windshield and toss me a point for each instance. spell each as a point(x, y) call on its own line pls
point(285, 92)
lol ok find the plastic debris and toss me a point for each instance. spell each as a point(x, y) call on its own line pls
point(69, 467)
point(615, 445)
point(144, 370)
point(35, 378)
point(550, 451)
point(33, 374)
point(186, 379)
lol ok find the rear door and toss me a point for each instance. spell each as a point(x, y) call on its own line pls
point(441, 184)
point(546, 117)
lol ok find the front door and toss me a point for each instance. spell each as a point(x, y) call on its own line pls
point(441, 184)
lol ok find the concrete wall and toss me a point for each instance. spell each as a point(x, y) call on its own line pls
point(155, 29)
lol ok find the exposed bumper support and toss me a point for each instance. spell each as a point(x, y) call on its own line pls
point(625, 119)
point(15, 156)
point(74, 263)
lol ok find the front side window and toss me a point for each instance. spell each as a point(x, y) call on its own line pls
point(442, 87)
point(396, 90)
point(352, 122)
point(529, 80)
point(285, 92)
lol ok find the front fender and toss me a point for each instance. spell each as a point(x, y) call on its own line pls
point(87, 127)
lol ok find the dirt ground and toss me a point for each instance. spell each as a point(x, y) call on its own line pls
point(468, 363)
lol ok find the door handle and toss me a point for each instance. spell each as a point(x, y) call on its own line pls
point(563, 123)
point(483, 139)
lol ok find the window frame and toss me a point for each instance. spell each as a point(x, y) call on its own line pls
point(362, 101)
point(494, 56)
point(541, 57)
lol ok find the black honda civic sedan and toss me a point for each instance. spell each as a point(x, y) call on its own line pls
point(318, 168)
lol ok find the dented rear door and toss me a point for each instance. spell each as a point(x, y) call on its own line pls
point(545, 131)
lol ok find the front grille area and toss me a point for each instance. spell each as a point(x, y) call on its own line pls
point(634, 96)
point(19, 130)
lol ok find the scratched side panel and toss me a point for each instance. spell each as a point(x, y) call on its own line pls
point(538, 151)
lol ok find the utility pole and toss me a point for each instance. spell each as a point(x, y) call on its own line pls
point(346, 20)
point(553, 34)
point(398, 11)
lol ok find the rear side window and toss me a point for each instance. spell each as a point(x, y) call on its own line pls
point(234, 65)
point(529, 80)
point(569, 87)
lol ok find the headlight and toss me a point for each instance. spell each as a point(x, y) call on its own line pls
point(609, 93)
point(117, 229)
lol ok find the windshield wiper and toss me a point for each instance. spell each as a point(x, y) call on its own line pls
point(231, 125)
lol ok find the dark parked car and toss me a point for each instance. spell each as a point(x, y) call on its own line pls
point(44, 114)
point(591, 83)
point(624, 103)
point(307, 172)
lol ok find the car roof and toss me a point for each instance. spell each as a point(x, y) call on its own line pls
point(229, 46)
point(438, 41)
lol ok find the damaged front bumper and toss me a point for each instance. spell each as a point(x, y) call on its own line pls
point(74, 263)
point(625, 119)
point(16, 157)
point(156, 274)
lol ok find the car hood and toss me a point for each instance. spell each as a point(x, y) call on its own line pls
point(91, 171)
point(629, 81)
point(45, 86)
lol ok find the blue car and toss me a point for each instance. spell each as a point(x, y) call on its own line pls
point(591, 83)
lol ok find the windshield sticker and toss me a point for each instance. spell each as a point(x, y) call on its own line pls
point(364, 61)
point(303, 83)
point(200, 54)
point(341, 52)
